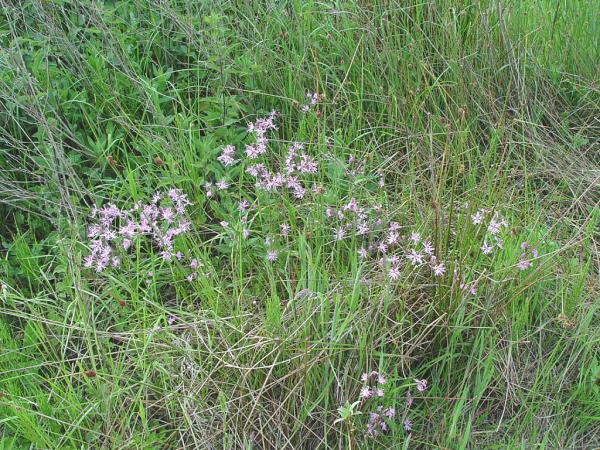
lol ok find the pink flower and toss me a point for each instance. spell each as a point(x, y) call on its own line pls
point(409, 399)
point(486, 248)
point(167, 214)
point(415, 237)
point(394, 273)
point(245, 233)
point(222, 184)
point(364, 377)
point(394, 260)
point(427, 247)
point(495, 224)
point(414, 257)
point(438, 269)
point(477, 218)
point(523, 264)
point(284, 229)
point(363, 228)
point(407, 424)
point(362, 252)
point(366, 392)
point(421, 385)
point(226, 157)
point(271, 255)
point(307, 164)
point(129, 230)
point(339, 234)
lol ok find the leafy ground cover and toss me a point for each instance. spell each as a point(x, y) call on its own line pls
point(299, 224)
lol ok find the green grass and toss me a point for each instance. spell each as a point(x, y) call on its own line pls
point(456, 105)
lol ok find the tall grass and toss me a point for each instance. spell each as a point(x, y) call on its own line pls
point(455, 106)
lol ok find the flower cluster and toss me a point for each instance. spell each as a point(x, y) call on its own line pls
point(421, 386)
point(352, 219)
point(290, 176)
point(114, 231)
point(422, 253)
point(296, 164)
point(528, 252)
point(372, 387)
point(260, 129)
point(376, 424)
point(382, 239)
point(493, 230)
point(313, 99)
point(368, 391)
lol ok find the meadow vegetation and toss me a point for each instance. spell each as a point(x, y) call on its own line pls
point(297, 224)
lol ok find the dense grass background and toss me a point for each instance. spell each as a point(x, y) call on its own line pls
point(493, 104)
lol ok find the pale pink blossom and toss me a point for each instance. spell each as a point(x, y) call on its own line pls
point(414, 257)
point(438, 269)
point(363, 228)
point(427, 247)
point(523, 264)
point(227, 154)
point(366, 392)
point(243, 205)
point(477, 218)
point(271, 255)
point(222, 184)
point(486, 248)
point(421, 385)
